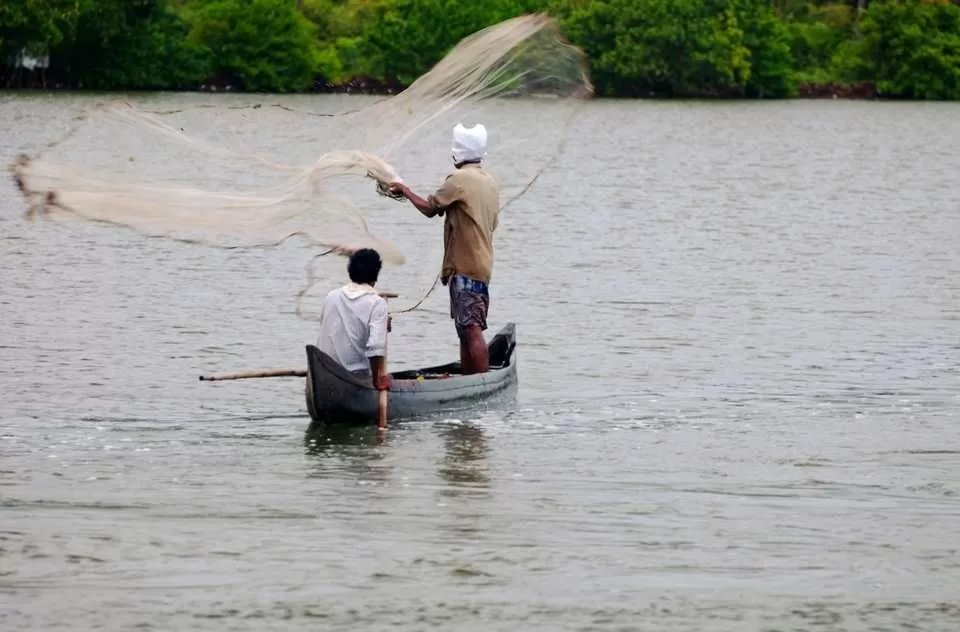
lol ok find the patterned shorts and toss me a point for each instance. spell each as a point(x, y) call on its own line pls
point(469, 302)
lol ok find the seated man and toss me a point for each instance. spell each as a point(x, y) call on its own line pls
point(354, 321)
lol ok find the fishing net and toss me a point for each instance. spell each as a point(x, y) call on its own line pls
point(247, 175)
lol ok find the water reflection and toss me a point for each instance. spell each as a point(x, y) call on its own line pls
point(322, 439)
point(465, 500)
point(347, 449)
point(464, 463)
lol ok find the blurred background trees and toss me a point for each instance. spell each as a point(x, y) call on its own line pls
point(669, 48)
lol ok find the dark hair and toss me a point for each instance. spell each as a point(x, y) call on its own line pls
point(364, 266)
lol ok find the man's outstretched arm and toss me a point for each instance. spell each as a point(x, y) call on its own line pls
point(425, 206)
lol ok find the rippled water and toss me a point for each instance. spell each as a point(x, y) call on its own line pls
point(738, 406)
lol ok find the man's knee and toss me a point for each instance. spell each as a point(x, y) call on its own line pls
point(468, 333)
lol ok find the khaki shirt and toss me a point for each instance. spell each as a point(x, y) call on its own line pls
point(470, 200)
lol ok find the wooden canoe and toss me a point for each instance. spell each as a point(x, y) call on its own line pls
point(335, 395)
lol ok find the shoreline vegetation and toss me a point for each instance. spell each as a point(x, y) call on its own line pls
point(368, 86)
point(849, 49)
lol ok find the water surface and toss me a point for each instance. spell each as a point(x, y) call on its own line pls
point(738, 406)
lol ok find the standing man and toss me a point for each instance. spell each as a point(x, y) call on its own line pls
point(469, 201)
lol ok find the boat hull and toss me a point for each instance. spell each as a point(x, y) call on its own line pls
point(334, 395)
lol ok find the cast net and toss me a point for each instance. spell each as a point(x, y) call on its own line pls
point(238, 174)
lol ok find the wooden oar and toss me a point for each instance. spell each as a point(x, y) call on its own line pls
point(382, 394)
point(216, 377)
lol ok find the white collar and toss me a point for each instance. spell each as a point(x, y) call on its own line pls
point(356, 290)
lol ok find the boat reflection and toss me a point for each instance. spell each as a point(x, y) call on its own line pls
point(464, 463)
point(364, 451)
point(329, 439)
point(347, 451)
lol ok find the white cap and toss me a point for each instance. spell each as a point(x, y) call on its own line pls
point(469, 143)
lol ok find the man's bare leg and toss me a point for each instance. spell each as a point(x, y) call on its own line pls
point(474, 356)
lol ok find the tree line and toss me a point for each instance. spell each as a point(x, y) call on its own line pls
point(665, 48)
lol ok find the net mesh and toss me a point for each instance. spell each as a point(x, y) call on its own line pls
point(242, 176)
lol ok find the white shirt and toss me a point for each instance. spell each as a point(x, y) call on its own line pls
point(353, 326)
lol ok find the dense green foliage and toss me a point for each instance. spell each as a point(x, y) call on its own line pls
point(264, 45)
point(736, 48)
point(682, 47)
point(912, 49)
